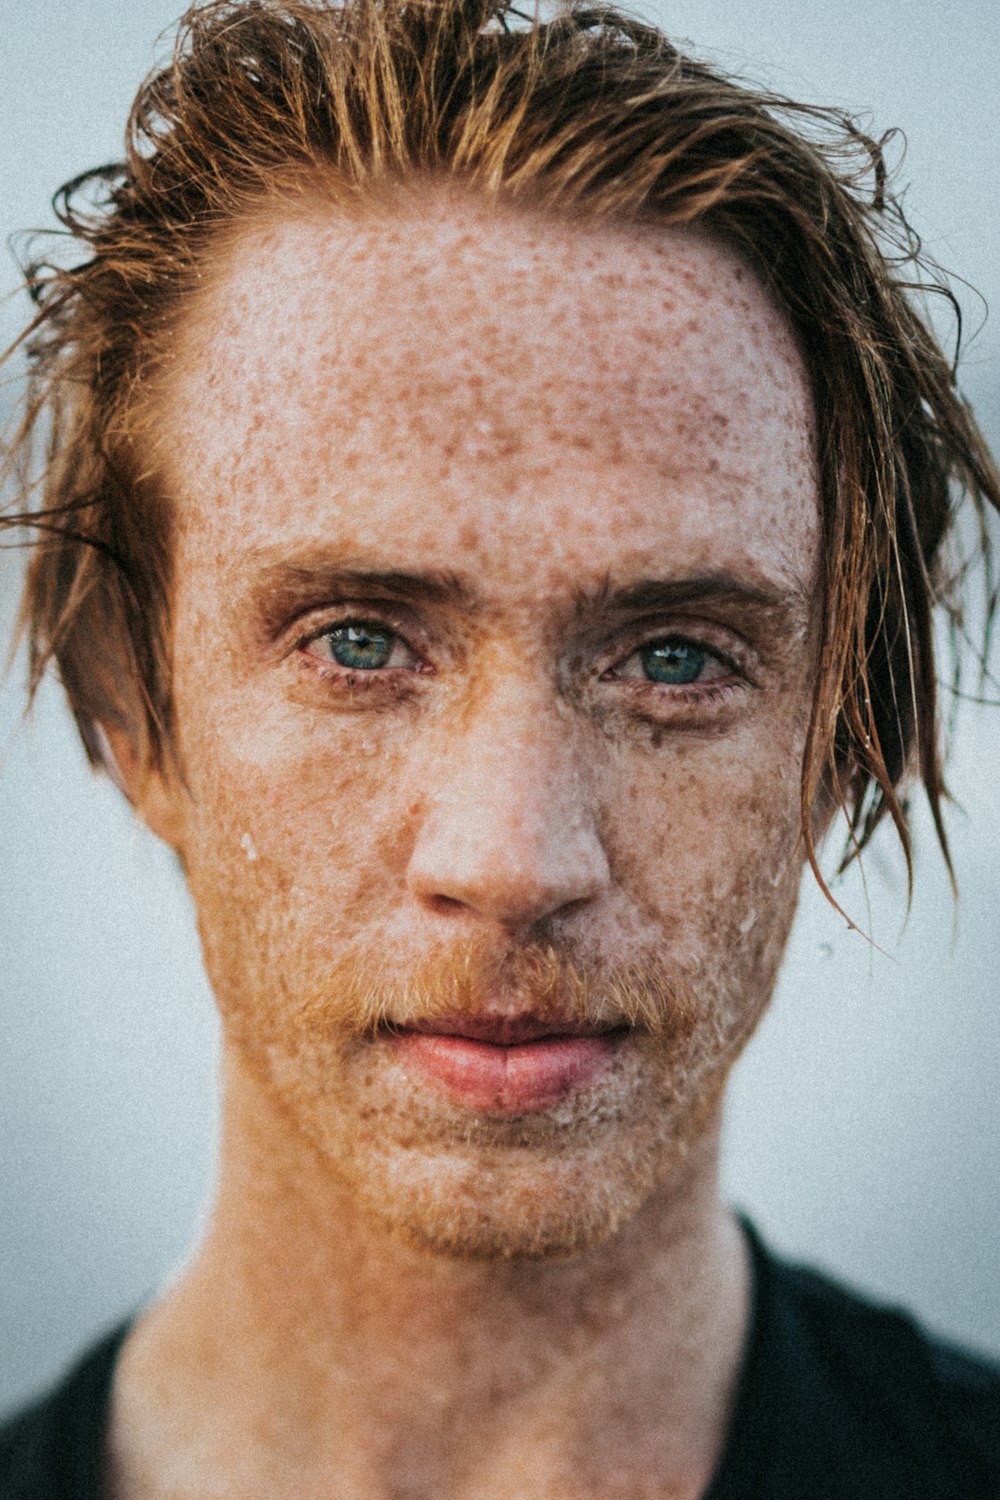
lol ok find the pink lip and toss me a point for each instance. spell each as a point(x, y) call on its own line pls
point(504, 1066)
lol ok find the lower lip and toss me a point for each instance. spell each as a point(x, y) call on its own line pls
point(506, 1080)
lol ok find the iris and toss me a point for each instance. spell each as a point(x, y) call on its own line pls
point(673, 662)
point(359, 646)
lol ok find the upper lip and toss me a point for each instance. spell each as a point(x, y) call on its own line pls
point(507, 1031)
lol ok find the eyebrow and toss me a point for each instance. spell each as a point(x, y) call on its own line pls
point(669, 593)
point(282, 588)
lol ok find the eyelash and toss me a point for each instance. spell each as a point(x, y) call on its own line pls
point(359, 678)
point(362, 679)
point(711, 687)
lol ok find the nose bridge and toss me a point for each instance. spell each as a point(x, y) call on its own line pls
point(509, 829)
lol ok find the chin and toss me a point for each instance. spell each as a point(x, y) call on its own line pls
point(407, 1165)
point(501, 1232)
point(484, 1206)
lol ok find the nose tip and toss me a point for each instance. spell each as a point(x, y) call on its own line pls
point(515, 859)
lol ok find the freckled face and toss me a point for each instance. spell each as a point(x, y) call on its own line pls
point(496, 564)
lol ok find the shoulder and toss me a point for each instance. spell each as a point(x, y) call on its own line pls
point(55, 1446)
point(859, 1398)
point(883, 1357)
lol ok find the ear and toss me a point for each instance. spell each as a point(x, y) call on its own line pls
point(156, 796)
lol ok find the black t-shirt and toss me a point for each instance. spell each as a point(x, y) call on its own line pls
point(839, 1399)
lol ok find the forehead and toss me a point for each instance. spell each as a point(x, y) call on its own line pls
point(450, 376)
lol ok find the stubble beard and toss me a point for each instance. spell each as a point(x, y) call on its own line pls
point(445, 1180)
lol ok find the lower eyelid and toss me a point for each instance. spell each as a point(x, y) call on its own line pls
point(668, 694)
point(694, 704)
point(384, 684)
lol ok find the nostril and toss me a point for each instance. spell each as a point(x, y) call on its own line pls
point(446, 903)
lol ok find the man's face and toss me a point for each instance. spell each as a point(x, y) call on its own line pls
point(494, 641)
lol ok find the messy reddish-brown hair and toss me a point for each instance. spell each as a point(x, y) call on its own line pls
point(588, 114)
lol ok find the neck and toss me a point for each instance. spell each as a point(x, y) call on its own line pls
point(302, 1341)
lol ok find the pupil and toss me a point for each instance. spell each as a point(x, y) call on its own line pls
point(360, 648)
point(673, 662)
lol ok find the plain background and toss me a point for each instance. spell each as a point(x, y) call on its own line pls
point(865, 1118)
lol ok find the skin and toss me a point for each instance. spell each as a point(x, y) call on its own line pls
point(402, 1293)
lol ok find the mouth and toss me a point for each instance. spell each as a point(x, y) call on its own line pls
point(505, 1065)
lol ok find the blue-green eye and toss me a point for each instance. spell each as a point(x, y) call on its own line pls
point(359, 646)
point(676, 663)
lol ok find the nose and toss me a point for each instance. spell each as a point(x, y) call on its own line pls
point(508, 831)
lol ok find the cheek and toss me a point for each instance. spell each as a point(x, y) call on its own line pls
point(706, 840)
point(294, 844)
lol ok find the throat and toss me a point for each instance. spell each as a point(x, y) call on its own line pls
point(306, 1352)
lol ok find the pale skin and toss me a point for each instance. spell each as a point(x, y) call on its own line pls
point(577, 725)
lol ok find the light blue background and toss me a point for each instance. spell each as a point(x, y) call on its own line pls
point(864, 1120)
